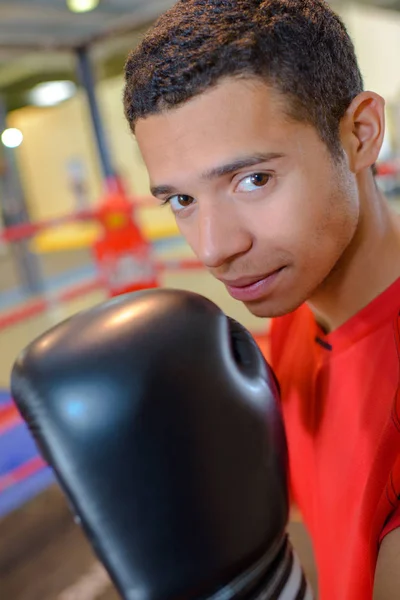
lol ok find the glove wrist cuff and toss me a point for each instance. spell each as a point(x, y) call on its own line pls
point(277, 575)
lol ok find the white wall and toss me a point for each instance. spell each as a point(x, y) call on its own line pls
point(376, 36)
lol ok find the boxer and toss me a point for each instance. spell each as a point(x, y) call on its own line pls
point(256, 130)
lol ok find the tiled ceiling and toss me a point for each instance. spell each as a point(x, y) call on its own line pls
point(37, 38)
point(27, 24)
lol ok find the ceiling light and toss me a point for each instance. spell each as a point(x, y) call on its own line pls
point(81, 6)
point(12, 138)
point(51, 93)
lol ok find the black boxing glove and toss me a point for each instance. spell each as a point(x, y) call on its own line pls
point(161, 420)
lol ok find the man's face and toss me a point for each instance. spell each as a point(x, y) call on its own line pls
point(257, 196)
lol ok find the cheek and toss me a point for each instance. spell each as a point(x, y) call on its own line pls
point(189, 229)
point(304, 222)
point(281, 222)
point(326, 228)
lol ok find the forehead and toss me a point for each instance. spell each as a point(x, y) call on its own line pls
point(231, 119)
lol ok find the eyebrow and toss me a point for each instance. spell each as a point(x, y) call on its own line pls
point(222, 170)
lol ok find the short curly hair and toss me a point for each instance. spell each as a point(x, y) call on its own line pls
point(300, 47)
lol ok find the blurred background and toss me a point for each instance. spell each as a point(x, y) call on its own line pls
point(77, 225)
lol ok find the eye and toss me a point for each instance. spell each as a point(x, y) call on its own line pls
point(179, 202)
point(253, 182)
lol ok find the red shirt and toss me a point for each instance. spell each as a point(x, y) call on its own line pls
point(341, 405)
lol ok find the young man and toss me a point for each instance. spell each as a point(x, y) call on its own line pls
point(254, 125)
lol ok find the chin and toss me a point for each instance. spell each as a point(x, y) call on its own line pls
point(268, 309)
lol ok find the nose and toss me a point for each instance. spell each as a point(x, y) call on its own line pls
point(221, 236)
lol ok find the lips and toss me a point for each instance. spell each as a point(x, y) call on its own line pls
point(252, 288)
point(245, 281)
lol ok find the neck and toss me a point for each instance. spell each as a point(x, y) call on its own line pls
point(370, 264)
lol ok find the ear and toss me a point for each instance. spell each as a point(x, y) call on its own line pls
point(362, 130)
